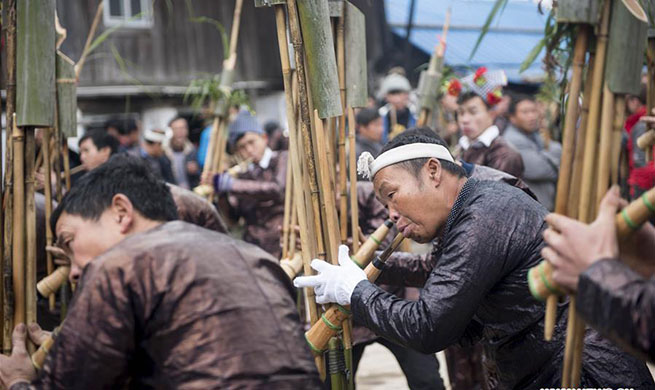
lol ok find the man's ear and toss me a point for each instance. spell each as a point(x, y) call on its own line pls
point(434, 170)
point(123, 211)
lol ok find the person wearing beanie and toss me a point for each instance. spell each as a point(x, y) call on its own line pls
point(152, 152)
point(397, 114)
point(257, 194)
point(481, 142)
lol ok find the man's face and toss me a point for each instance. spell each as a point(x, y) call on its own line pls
point(252, 146)
point(90, 155)
point(180, 130)
point(473, 117)
point(154, 149)
point(85, 239)
point(373, 130)
point(526, 117)
point(398, 99)
point(633, 104)
point(408, 199)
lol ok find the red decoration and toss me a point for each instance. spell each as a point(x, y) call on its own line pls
point(479, 78)
point(454, 87)
point(494, 97)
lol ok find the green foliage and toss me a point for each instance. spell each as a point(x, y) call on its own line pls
point(213, 22)
point(208, 91)
point(497, 9)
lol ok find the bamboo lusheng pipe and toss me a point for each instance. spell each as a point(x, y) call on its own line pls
point(619, 120)
point(206, 190)
point(56, 154)
point(320, 333)
point(307, 237)
point(10, 108)
point(566, 162)
point(354, 206)
point(49, 285)
point(341, 65)
point(47, 191)
point(18, 245)
point(288, 205)
point(365, 253)
point(629, 219)
point(30, 231)
point(646, 142)
point(605, 147)
point(89, 40)
point(72, 171)
point(38, 357)
point(67, 167)
point(578, 158)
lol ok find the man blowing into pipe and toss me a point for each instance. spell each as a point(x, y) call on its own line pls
point(490, 235)
point(164, 304)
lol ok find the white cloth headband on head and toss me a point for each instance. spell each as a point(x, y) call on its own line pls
point(367, 166)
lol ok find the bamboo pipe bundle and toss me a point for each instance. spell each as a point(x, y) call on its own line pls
point(49, 285)
point(354, 206)
point(8, 226)
point(629, 219)
point(566, 161)
point(320, 333)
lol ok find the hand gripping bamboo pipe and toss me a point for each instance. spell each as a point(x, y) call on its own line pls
point(365, 253)
point(38, 357)
point(320, 333)
point(51, 283)
point(207, 189)
point(627, 220)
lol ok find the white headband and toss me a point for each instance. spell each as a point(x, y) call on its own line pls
point(367, 166)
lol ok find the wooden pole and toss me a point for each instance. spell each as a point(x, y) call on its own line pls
point(67, 166)
point(8, 236)
point(343, 186)
point(354, 206)
point(30, 231)
point(56, 155)
point(568, 141)
point(47, 192)
point(89, 40)
point(606, 160)
point(288, 205)
point(18, 245)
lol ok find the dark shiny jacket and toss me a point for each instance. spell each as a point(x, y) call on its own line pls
point(181, 307)
point(499, 155)
point(620, 304)
point(257, 195)
point(479, 292)
point(197, 210)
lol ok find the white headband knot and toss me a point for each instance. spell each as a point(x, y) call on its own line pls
point(367, 166)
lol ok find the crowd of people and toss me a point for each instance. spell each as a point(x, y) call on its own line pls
point(166, 299)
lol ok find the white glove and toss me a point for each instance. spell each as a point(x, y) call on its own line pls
point(334, 283)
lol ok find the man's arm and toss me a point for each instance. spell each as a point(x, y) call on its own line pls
point(408, 269)
point(620, 304)
point(264, 190)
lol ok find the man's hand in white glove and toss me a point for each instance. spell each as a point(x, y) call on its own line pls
point(333, 283)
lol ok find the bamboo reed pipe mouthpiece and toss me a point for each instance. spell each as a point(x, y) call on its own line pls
point(51, 283)
point(72, 171)
point(203, 190)
point(628, 220)
point(331, 321)
point(38, 357)
point(292, 266)
point(368, 248)
point(239, 168)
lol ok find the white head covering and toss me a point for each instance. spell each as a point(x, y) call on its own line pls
point(367, 166)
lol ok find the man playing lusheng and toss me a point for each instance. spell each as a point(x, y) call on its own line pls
point(164, 304)
point(490, 235)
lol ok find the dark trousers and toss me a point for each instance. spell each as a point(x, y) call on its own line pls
point(421, 370)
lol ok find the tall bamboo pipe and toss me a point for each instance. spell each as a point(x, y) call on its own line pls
point(341, 65)
point(619, 119)
point(30, 231)
point(354, 206)
point(18, 246)
point(47, 191)
point(605, 147)
point(288, 204)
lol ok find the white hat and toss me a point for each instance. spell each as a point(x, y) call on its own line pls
point(394, 82)
point(155, 135)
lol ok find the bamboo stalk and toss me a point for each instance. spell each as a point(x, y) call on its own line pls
point(307, 240)
point(292, 230)
point(89, 40)
point(18, 245)
point(619, 119)
point(30, 232)
point(569, 344)
point(354, 206)
point(574, 190)
point(47, 192)
point(67, 166)
point(56, 155)
point(286, 221)
point(606, 160)
point(10, 108)
point(208, 166)
point(566, 162)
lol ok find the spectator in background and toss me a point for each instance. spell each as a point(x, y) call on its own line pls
point(541, 162)
point(126, 131)
point(182, 154)
point(276, 138)
point(641, 175)
point(500, 113)
point(96, 146)
point(257, 194)
point(369, 131)
point(205, 137)
point(152, 152)
point(397, 115)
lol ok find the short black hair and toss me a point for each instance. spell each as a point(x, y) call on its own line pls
point(422, 135)
point(468, 95)
point(101, 139)
point(270, 127)
point(366, 116)
point(516, 99)
point(177, 118)
point(124, 126)
point(121, 174)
